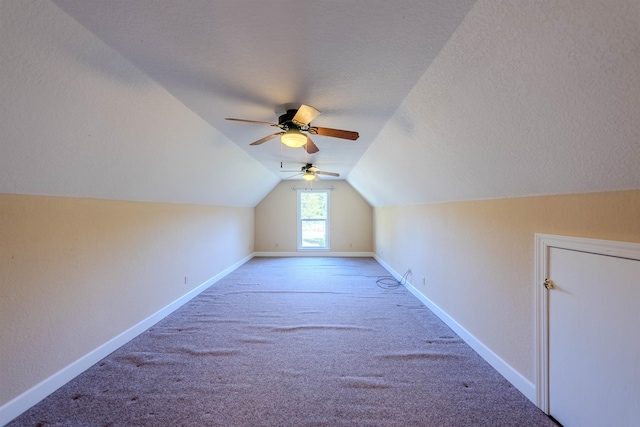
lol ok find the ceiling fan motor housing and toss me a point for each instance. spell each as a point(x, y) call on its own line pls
point(287, 119)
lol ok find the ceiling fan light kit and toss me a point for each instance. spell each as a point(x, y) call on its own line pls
point(309, 176)
point(293, 138)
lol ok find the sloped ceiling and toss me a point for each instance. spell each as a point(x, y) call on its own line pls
point(527, 98)
point(454, 100)
point(80, 120)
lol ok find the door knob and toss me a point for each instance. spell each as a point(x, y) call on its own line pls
point(548, 283)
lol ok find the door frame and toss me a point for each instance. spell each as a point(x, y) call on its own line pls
point(543, 242)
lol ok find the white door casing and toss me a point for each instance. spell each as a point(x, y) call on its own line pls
point(616, 289)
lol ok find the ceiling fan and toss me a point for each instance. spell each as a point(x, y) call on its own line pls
point(310, 173)
point(293, 123)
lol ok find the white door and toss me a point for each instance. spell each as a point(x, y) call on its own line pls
point(594, 339)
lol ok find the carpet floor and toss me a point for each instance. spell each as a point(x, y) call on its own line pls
point(293, 342)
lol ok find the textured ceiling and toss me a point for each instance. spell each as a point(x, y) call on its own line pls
point(527, 98)
point(354, 61)
point(453, 100)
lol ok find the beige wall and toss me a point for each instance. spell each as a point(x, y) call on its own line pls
point(74, 273)
point(477, 258)
point(351, 219)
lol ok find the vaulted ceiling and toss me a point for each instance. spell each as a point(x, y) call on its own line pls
point(453, 100)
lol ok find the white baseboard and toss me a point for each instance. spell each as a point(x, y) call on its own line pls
point(35, 394)
point(525, 386)
point(313, 254)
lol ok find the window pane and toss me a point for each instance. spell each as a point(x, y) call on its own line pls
point(313, 206)
point(313, 220)
point(314, 234)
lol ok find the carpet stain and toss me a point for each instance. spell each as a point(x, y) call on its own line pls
point(208, 352)
point(316, 327)
point(288, 292)
point(443, 341)
point(363, 383)
point(292, 373)
point(255, 341)
point(238, 321)
point(137, 361)
point(425, 356)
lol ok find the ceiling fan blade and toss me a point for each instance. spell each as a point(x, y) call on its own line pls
point(335, 133)
point(310, 146)
point(328, 173)
point(266, 138)
point(289, 177)
point(252, 121)
point(305, 115)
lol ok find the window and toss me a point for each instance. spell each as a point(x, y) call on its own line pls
point(313, 219)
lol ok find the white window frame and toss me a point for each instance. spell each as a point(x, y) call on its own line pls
point(327, 246)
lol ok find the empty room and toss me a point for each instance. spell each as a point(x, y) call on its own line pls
point(317, 213)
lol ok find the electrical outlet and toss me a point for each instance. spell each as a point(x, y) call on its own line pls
point(424, 280)
point(186, 280)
